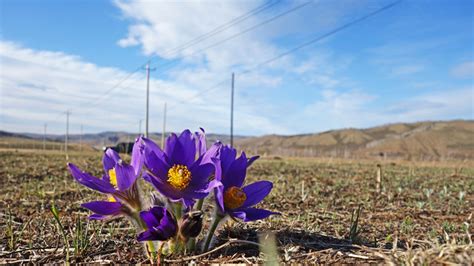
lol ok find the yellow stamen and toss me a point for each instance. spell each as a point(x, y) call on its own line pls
point(113, 177)
point(179, 176)
point(111, 198)
point(234, 197)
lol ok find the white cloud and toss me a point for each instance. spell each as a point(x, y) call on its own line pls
point(464, 70)
point(407, 70)
point(445, 104)
point(37, 86)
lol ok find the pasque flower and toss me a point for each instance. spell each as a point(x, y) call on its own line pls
point(232, 197)
point(118, 183)
point(161, 224)
point(175, 172)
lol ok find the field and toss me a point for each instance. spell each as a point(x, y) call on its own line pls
point(421, 215)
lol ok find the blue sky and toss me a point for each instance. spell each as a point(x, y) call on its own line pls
point(412, 62)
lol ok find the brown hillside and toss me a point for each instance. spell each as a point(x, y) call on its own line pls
point(417, 141)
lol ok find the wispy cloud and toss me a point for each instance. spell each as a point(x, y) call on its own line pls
point(43, 84)
point(463, 70)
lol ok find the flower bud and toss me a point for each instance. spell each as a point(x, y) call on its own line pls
point(190, 224)
point(156, 200)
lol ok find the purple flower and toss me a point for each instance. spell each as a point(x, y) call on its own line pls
point(161, 225)
point(231, 197)
point(118, 182)
point(175, 172)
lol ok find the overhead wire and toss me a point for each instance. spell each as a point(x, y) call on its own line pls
point(298, 47)
point(188, 44)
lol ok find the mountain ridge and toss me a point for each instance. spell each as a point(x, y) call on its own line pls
point(425, 140)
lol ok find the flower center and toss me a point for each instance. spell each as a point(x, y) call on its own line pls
point(113, 181)
point(113, 177)
point(234, 197)
point(179, 176)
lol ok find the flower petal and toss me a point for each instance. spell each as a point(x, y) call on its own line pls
point(98, 217)
point(219, 196)
point(211, 153)
point(227, 156)
point(201, 145)
point(152, 147)
point(125, 176)
point(200, 174)
point(160, 222)
point(256, 192)
point(252, 214)
point(138, 155)
point(109, 159)
point(146, 236)
point(251, 160)
point(188, 142)
point(153, 216)
point(235, 175)
point(163, 187)
point(90, 181)
point(104, 207)
point(157, 164)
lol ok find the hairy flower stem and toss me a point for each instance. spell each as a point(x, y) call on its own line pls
point(149, 246)
point(199, 204)
point(215, 222)
point(191, 245)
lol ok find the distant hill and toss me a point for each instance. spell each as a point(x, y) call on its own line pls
point(432, 140)
point(411, 141)
point(108, 138)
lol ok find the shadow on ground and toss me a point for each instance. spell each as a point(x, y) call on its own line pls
point(300, 241)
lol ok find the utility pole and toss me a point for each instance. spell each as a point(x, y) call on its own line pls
point(44, 137)
point(80, 138)
point(164, 129)
point(147, 96)
point(232, 112)
point(139, 126)
point(67, 134)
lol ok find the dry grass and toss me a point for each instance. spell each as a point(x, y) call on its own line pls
point(421, 216)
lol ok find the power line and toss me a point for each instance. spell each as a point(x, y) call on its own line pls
point(188, 44)
point(324, 36)
point(298, 47)
point(291, 10)
point(221, 28)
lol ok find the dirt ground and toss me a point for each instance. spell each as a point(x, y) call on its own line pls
point(422, 214)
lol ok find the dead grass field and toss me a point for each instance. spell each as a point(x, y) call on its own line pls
point(421, 216)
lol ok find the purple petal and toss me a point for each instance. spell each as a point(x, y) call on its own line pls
point(152, 147)
point(227, 156)
point(187, 141)
point(104, 207)
point(219, 195)
point(213, 184)
point(90, 181)
point(201, 142)
point(98, 217)
point(256, 192)
point(125, 176)
point(200, 174)
point(252, 214)
point(146, 236)
point(160, 222)
point(153, 216)
point(157, 165)
point(163, 187)
point(211, 153)
point(251, 160)
point(109, 159)
point(235, 175)
point(138, 154)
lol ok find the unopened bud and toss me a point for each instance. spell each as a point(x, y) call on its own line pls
point(190, 224)
point(156, 200)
